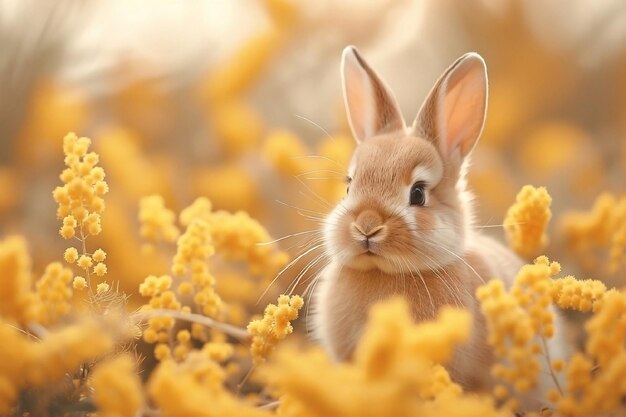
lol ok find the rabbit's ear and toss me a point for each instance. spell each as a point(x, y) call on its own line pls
point(453, 115)
point(370, 105)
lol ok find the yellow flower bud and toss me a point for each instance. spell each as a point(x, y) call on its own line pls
point(99, 255)
point(100, 269)
point(102, 288)
point(79, 283)
point(85, 262)
point(70, 255)
point(67, 232)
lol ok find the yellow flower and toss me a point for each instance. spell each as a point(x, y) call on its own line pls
point(236, 236)
point(70, 255)
point(150, 335)
point(16, 295)
point(30, 363)
point(161, 297)
point(182, 389)
point(183, 336)
point(162, 351)
point(99, 255)
point(100, 269)
point(117, 387)
point(85, 262)
point(604, 228)
point(185, 288)
point(581, 295)
point(274, 326)
point(54, 293)
point(81, 204)
point(393, 372)
point(526, 221)
point(63, 351)
point(157, 222)
point(79, 198)
point(193, 250)
point(595, 376)
point(67, 232)
point(516, 321)
point(153, 286)
point(79, 283)
point(200, 209)
point(102, 288)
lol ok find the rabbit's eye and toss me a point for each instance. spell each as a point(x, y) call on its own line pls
point(418, 195)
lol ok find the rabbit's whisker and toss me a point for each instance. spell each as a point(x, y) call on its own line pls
point(316, 125)
point(289, 265)
point(271, 242)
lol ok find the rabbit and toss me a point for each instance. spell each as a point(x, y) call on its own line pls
point(404, 226)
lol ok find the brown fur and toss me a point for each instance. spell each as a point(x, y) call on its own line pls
point(350, 286)
point(381, 246)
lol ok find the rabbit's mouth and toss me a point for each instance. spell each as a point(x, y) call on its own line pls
point(370, 259)
point(370, 249)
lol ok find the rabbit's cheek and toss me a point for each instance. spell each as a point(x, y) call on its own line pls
point(446, 240)
point(424, 219)
point(335, 228)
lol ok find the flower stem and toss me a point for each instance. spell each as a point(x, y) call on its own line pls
point(547, 355)
point(234, 331)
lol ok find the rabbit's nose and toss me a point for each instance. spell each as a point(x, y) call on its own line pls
point(369, 224)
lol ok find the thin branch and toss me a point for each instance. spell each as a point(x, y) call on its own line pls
point(234, 331)
point(273, 405)
point(546, 352)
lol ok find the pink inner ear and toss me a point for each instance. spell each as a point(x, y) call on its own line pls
point(370, 105)
point(358, 99)
point(463, 104)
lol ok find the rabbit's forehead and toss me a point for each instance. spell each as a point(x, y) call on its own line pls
point(405, 160)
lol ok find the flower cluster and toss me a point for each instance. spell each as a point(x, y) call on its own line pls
point(182, 389)
point(237, 237)
point(241, 238)
point(81, 206)
point(26, 362)
point(580, 295)
point(193, 281)
point(395, 371)
point(15, 288)
point(194, 248)
point(519, 322)
point(157, 221)
point(603, 228)
point(80, 198)
point(526, 221)
point(53, 293)
point(161, 297)
point(160, 328)
point(595, 375)
point(274, 326)
point(399, 368)
point(117, 387)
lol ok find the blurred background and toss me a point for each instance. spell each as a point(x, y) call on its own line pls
point(240, 101)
